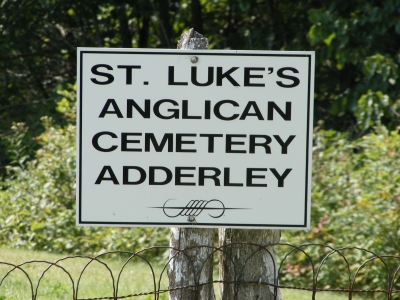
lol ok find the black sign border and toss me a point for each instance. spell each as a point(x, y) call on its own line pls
point(188, 224)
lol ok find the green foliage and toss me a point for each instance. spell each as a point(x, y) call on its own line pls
point(356, 183)
point(357, 62)
point(359, 179)
point(357, 45)
point(66, 105)
point(355, 201)
point(37, 202)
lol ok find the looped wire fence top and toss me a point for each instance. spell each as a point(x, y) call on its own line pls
point(322, 268)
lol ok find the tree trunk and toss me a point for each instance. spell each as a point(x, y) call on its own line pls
point(191, 266)
point(124, 30)
point(271, 21)
point(165, 25)
point(144, 31)
point(245, 262)
point(197, 19)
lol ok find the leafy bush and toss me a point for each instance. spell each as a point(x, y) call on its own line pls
point(355, 202)
point(37, 200)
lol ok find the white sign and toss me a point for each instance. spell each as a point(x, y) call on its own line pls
point(194, 138)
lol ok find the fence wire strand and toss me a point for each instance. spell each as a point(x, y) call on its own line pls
point(310, 259)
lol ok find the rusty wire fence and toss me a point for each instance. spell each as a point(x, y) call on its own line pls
point(311, 267)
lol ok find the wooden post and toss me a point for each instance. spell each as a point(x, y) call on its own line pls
point(244, 262)
point(191, 266)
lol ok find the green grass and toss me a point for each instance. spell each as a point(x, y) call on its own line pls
point(96, 280)
point(305, 295)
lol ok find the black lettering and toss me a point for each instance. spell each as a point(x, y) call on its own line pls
point(282, 177)
point(210, 77)
point(125, 142)
point(107, 169)
point(130, 103)
point(171, 79)
point(214, 177)
point(149, 137)
point(125, 176)
point(179, 175)
point(217, 107)
point(167, 180)
point(128, 69)
point(283, 144)
point(207, 109)
point(229, 143)
point(116, 110)
point(257, 113)
point(287, 115)
point(227, 179)
point(226, 75)
point(253, 143)
point(175, 112)
point(248, 76)
point(295, 80)
point(179, 142)
point(250, 176)
point(95, 141)
point(95, 71)
point(210, 140)
point(185, 114)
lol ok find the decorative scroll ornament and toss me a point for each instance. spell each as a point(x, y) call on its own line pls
point(195, 208)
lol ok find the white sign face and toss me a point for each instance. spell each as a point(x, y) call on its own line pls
point(194, 138)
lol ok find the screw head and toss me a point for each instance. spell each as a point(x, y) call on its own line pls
point(194, 59)
point(191, 219)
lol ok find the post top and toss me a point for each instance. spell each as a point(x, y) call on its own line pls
point(191, 39)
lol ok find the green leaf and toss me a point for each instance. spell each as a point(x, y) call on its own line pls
point(329, 39)
point(397, 27)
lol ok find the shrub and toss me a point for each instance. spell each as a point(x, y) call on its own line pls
point(37, 201)
point(355, 201)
